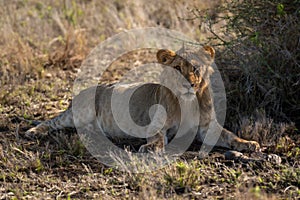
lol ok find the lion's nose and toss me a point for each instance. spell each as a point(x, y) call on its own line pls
point(188, 85)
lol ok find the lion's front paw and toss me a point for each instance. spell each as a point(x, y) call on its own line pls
point(253, 146)
point(144, 149)
point(247, 146)
point(150, 148)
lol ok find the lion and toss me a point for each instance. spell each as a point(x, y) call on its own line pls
point(186, 99)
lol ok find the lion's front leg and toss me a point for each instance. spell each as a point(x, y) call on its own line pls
point(230, 140)
point(216, 135)
point(155, 143)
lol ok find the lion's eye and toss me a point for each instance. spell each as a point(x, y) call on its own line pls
point(177, 67)
point(196, 71)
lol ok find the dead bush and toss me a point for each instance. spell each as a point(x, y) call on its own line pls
point(259, 56)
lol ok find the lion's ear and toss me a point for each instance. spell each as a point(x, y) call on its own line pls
point(210, 51)
point(165, 56)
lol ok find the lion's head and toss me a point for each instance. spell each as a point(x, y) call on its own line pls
point(194, 67)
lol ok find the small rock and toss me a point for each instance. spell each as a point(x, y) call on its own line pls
point(48, 75)
point(237, 156)
point(231, 155)
point(273, 158)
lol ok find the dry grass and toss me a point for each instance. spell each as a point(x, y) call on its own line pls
point(41, 48)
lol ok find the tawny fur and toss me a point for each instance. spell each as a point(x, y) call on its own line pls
point(196, 70)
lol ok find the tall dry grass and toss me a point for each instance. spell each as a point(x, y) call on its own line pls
point(34, 34)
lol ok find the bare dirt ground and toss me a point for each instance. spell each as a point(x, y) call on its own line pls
point(42, 47)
